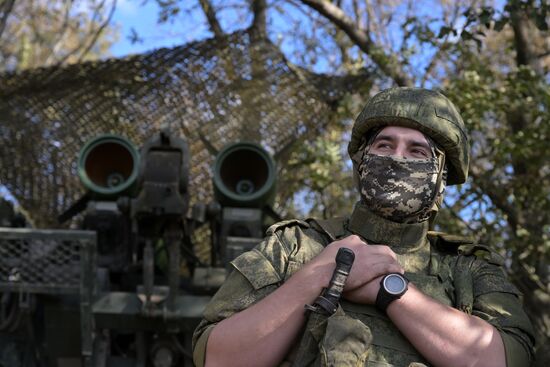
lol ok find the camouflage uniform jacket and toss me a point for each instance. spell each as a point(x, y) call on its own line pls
point(450, 269)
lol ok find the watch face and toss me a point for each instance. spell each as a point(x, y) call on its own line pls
point(394, 284)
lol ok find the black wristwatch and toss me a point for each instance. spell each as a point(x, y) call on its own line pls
point(392, 287)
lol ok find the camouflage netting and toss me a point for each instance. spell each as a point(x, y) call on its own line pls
point(212, 92)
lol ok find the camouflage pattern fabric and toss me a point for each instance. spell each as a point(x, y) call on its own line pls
point(399, 188)
point(432, 265)
point(338, 340)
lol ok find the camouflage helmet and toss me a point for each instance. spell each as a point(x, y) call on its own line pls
point(427, 111)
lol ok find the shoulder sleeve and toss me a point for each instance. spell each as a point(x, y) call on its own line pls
point(498, 302)
point(256, 274)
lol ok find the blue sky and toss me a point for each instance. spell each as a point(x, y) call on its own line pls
point(142, 16)
point(132, 14)
point(190, 25)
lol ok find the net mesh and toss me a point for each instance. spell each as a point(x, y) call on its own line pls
point(212, 93)
point(37, 261)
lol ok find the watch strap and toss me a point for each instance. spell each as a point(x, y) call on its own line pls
point(383, 300)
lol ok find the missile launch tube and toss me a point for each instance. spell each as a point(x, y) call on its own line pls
point(108, 166)
point(244, 176)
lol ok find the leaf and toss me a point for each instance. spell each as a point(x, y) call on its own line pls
point(540, 22)
point(499, 24)
point(466, 36)
point(486, 16)
point(467, 12)
point(445, 30)
point(478, 42)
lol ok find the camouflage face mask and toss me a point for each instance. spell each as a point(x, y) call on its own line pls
point(399, 189)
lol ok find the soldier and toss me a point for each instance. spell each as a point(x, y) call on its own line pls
point(413, 297)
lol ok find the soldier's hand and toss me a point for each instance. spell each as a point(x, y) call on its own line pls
point(365, 294)
point(371, 261)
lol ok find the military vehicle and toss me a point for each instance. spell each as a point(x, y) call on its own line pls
point(126, 288)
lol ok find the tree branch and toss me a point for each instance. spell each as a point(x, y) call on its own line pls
point(458, 217)
point(498, 199)
point(443, 47)
point(99, 31)
point(94, 38)
point(5, 10)
point(525, 52)
point(356, 12)
point(259, 27)
point(61, 32)
point(525, 55)
point(388, 63)
point(210, 14)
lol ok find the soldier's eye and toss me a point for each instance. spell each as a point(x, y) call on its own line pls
point(421, 152)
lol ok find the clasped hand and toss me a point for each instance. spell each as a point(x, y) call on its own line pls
point(371, 263)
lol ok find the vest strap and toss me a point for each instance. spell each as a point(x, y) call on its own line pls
point(333, 228)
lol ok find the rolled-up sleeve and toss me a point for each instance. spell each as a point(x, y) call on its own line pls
point(498, 302)
point(255, 274)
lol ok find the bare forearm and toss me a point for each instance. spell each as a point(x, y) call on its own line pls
point(446, 336)
point(263, 334)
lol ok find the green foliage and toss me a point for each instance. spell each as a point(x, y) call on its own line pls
point(321, 179)
point(168, 10)
point(44, 33)
point(506, 107)
point(514, 154)
point(478, 20)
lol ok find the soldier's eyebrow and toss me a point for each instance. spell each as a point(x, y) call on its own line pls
point(411, 141)
point(419, 143)
point(384, 137)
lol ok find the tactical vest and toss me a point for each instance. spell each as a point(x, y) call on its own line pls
point(360, 335)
